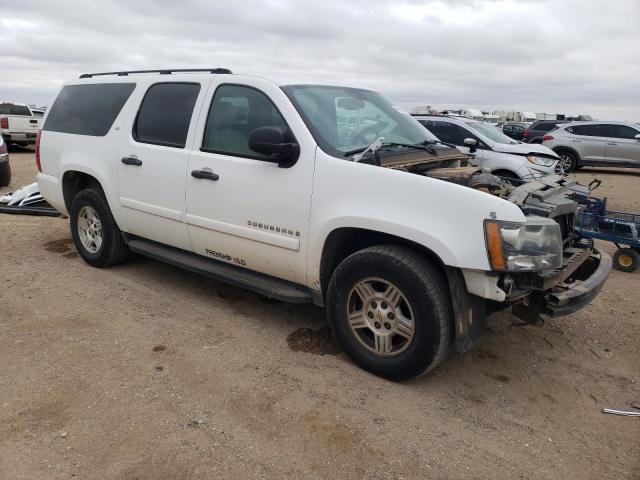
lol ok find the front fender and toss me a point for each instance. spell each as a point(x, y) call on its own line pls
point(446, 218)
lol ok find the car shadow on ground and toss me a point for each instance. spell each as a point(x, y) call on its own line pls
point(610, 171)
point(13, 148)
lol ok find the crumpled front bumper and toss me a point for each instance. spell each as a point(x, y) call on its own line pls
point(582, 287)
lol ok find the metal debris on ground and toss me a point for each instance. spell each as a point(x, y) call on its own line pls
point(626, 413)
point(27, 201)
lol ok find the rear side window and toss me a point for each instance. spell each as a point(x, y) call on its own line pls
point(449, 132)
point(545, 127)
point(589, 130)
point(10, 109)
point(165, 114)
point(88, 109)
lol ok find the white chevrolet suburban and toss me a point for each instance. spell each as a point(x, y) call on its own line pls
point(309, 193)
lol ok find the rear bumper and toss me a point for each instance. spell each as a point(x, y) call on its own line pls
point(22, 137)
point(51, 190)
point(583, 286)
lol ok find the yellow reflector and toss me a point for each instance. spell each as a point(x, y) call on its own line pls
point(494, 245)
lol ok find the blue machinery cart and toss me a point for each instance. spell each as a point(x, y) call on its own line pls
point(620, 228)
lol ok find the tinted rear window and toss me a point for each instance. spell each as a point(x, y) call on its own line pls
point(165, 114)
point(88, 109)
point(9, 109)
point(595, 130)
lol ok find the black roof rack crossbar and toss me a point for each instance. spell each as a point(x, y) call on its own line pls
point(166, 71)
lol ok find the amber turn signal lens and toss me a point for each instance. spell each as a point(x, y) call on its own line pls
point(494, 245)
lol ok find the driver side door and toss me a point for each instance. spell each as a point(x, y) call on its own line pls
point(249, 211)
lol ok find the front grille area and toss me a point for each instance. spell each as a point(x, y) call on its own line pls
point(566, 226)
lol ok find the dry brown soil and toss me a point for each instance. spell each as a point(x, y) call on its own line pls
point(146, 371)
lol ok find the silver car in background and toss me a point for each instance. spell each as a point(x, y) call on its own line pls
point(604, 144)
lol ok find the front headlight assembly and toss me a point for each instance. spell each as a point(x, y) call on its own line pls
point(542, 161)
point(532, 246)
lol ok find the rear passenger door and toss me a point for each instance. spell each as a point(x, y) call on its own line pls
point(622, 147)
point(589, 141)
point(152, 168)
point(250, 212)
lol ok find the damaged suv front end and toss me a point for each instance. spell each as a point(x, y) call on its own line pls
point(539, 267)
point(581, 270)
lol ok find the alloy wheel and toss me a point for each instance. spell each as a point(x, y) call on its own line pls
point(89, 229)
point(380, 317)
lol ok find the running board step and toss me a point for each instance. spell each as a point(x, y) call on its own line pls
point(256, 282)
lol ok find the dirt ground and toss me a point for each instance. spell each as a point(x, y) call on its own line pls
point(145, 371)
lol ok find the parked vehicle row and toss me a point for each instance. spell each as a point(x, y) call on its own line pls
point(494, 151)
point(324, 194)
point(604, 144)
point(18, 124)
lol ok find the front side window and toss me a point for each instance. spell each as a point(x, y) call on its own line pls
point(235, 112)
point(346, 119)
point(165, 114)
point(622, 131)
point(88, 109)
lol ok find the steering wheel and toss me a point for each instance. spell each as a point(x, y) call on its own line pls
point(369, 133)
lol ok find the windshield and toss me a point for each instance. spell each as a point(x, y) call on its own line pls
point(346, 119)
point(490, 132)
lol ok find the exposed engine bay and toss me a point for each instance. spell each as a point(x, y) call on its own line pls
point(555, 197)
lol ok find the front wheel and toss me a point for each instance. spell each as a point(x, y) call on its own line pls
point(389, 309)
point(568, 162)
point(95, 232)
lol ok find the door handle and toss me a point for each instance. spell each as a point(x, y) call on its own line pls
point(132, 161)
point(611, 143)
point(205, 174)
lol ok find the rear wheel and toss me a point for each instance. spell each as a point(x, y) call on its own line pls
point(95, 233)
point(5, 174)
point(389, 310)
point(626, 260)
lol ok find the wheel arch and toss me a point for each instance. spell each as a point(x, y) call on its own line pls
point(73, 182)
point(563, 148)
point(344, 241)
point(502, 171)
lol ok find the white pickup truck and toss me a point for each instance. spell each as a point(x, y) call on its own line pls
point(18, 124)
point(311, 193)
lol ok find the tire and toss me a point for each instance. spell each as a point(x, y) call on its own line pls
point(568, 160)
point(423, 298)
point(5, 174)
point(626, 260)
point(110, 249)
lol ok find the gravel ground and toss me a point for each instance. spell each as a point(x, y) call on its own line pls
point(145, 371)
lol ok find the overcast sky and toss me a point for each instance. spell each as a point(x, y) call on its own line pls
point(565, 56)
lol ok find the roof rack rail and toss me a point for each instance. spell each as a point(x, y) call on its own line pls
point(165, 71)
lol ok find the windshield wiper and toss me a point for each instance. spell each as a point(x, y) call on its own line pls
point(378, 145)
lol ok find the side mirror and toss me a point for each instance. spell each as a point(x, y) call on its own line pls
point(637, 137)
point(275, 143)
point(472, 143)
